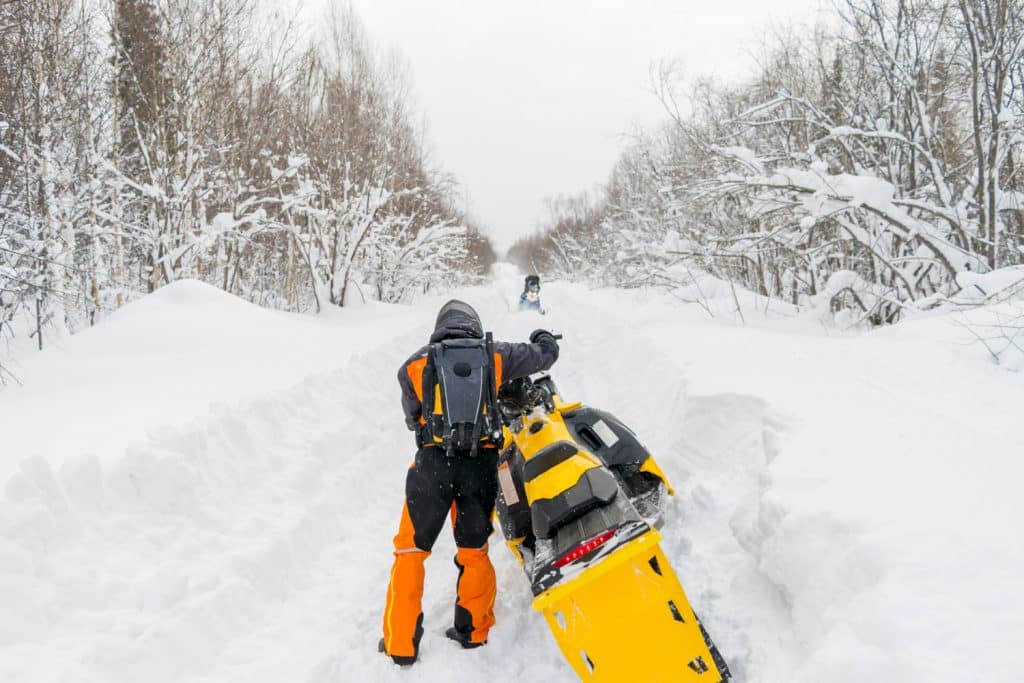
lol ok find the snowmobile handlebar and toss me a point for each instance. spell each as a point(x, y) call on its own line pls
point(520, 396)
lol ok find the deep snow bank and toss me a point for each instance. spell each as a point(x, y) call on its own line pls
point(164, 359)
point(165, 486)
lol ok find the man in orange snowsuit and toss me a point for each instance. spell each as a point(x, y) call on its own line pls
point(444, 480)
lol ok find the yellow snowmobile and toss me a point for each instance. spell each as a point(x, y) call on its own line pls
point(580, 501)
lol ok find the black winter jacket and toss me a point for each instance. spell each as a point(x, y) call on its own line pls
point(517, 359)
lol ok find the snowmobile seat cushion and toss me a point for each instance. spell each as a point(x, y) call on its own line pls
point(596, 487)
point(547, 458)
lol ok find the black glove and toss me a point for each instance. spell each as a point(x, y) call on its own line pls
point(424, 436)
point(546, 341)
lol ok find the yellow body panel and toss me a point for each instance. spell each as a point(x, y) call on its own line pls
point(614, 622)
point(513, 545)
point(563, 407)
point(563, 475)
point(651, 466)
point(530, 442)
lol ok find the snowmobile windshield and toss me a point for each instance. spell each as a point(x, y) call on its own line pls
point(457, 320)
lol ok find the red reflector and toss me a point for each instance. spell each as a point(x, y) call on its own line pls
point(588, 546)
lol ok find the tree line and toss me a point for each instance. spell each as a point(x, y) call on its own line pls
point(146, 141)
point(861, 167)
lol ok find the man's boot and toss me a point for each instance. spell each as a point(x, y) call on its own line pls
point(400, 661)
point(462, 638)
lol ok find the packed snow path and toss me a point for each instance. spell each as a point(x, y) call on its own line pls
point(846, 507)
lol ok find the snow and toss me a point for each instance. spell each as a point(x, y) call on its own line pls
point(745, 155)
point(1010, 200)
point(164, 360)
point(981, 287)
point(824, 195)
point(201, 490)
point(222, 223)
point(840, 280)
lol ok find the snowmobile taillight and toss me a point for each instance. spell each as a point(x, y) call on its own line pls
point(588, 546)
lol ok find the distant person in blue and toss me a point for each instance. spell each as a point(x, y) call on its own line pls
point(529, 300)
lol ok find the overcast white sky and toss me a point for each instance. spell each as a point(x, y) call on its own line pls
point(529, 99)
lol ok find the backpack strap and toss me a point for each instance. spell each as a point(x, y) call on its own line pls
point(429, 391)
point(483, 418)
point(477, 431)
point(493, 417)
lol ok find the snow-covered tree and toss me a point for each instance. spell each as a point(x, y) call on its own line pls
point(862, 168)
point(146, 141)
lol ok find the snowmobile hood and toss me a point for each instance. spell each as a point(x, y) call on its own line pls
point(457, 320)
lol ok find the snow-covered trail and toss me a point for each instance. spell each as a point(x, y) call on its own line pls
point(251, 541)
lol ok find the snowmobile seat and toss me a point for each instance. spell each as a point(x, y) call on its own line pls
point(597, 486)
point(547, 458)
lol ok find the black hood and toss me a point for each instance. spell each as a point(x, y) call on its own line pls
point(457, 320)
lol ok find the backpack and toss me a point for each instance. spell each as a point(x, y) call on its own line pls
point(460, 394)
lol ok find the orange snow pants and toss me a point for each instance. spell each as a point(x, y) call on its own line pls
point(438, 485)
